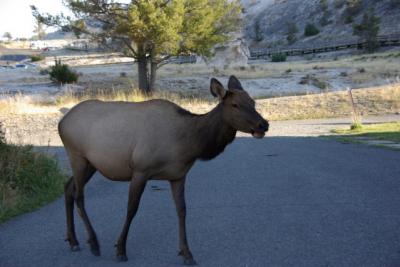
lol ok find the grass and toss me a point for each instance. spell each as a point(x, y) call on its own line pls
point(195, 103)
point(383, 131)
point(28, 179)
point(381, 64)
point(373, 101)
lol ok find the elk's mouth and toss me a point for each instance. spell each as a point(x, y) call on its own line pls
point(257, 135)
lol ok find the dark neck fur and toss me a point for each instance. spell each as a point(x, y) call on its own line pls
point(212, 134)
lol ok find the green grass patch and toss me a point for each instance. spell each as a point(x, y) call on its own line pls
point(383, 131)
point(28, 179)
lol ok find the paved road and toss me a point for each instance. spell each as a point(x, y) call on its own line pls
point(274, 202)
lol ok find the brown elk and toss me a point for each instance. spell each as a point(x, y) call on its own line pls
point(148, 140)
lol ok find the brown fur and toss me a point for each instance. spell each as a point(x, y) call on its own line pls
point(155, 139)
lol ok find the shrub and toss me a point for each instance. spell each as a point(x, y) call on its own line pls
point(324, 19)
point(311, 79)
point(37, 57)
point(356, 126)
point(323, 5)
point(338, 3)
point(368, 30)
point(310, 30)
point(61, 73)
point(2, 135)
point(44, 72)
point(27, 179)
point(258, 31)
point(278, 57)
point(395, 3)
point(292, 30)
point(361, 70)
point(353, 7)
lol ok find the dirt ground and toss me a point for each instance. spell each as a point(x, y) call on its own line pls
point(260, 78)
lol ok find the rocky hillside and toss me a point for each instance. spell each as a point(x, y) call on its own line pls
point(267, 22)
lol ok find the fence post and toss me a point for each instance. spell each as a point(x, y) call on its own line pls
point(355, 115)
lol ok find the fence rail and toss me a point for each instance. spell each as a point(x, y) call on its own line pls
point(384, 40)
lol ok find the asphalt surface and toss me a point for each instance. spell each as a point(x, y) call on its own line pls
point(280, 201)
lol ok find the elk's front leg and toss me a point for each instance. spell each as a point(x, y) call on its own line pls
point(136, 189)
point(178, 193)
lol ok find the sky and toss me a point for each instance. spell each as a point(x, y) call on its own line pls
point(16, 16)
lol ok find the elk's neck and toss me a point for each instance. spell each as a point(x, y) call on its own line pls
point(212, 134)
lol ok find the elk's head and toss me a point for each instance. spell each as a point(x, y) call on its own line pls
point(239, 108)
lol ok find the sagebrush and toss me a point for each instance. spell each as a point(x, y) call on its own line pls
point(61, 73)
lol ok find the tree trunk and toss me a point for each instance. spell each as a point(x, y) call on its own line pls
point(143, 75)
point(147, 70)
point(153, 70)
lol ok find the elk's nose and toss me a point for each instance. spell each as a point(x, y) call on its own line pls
point(263, 125)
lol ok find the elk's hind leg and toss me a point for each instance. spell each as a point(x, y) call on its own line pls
point(69, 192)
point(82, 172)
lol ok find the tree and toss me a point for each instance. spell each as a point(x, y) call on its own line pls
point(324, 7)
point(353, 7)
point(310, 30)
point(292, 30)
point(151, 31)
point(7, 35)
point(258, 31)
point(368, 30)
point(39, 29)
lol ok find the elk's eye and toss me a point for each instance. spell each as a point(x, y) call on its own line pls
point(235, 105)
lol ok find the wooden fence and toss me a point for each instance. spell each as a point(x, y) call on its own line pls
point(384, 40)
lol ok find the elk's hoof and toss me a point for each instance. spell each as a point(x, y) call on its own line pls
point(95, 251)
point(189, 262)
point(94, 248)
point(75, 248)
point(122, 258)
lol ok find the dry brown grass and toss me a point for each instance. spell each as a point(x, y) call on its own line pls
point(373, 101)
point(192, 102)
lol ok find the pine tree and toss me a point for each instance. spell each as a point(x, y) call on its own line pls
point(7, 35)
point(39, 29)
point(257, 30)
point(368, 30)
point(150, 31)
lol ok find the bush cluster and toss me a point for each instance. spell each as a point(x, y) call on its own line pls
point(27, 179)
point(278, 57)
point(37, 57)
point(61, 73)
point(311, 30)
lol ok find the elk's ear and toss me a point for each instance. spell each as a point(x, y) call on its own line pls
point(217, 89)
point(234, 84)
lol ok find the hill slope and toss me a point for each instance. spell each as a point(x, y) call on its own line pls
point(266, 21)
